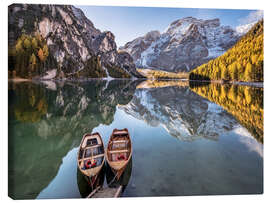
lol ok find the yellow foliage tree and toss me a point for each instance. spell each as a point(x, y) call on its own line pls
point(29, 55)
point(244, 60)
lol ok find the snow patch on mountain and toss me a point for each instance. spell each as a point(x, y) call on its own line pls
point(152, 51)
point(215, 52)
point(179, 31)
point(243, 29)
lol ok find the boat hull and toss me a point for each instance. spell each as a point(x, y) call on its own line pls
point(91, 152)
point(118, 166)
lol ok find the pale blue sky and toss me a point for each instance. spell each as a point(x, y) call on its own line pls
point(128, 23)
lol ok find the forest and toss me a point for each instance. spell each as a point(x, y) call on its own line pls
point(159, 74)
point(94, 69)
point(29, 57)
point(243, 62)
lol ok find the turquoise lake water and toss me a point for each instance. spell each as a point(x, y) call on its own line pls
point(183, 144)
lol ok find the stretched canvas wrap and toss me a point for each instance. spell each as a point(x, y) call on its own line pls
point(110, 101)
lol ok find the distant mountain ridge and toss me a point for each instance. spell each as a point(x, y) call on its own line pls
point(184, 45)
point(72, 39)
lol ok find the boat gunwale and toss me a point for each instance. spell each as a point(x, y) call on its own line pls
point(97, 169)
point(125, 162)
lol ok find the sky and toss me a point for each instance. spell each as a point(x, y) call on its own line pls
point(128, 23)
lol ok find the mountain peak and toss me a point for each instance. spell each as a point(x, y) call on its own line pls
point(152, 35)
point(191, 20)
point(185, 44)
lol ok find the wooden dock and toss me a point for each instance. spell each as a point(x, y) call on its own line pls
point(107, 192)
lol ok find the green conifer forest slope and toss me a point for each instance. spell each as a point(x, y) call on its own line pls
point(242, 62)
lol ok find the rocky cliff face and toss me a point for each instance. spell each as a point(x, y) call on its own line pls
point(71, 37)
point(184, 45)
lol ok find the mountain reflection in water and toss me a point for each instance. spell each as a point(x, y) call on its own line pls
point(47, 121)
point(39, 142)
point(245, 103)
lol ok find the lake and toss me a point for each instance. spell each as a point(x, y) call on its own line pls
point(188, 138)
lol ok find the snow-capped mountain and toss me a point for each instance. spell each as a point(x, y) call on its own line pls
point(184, 45)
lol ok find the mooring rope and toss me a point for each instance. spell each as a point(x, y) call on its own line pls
point(112, 180)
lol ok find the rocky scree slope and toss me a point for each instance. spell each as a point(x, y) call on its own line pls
point(72, 39)
point(186, 44)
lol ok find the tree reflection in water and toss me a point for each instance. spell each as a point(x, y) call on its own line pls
point(44, 125)
point(245, 103)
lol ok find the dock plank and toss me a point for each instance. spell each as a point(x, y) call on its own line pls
point(106, 192)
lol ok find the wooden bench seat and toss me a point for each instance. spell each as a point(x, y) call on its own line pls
point(118, 151)
point(119, 141)
point(95, 146)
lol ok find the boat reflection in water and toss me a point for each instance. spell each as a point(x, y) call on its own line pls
point(84, 186)
point(112, 182)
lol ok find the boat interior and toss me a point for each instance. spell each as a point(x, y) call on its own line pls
point(119, 147)
point(91, 152)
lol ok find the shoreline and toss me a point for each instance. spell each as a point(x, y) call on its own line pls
point(253, 84)
point(19, 80)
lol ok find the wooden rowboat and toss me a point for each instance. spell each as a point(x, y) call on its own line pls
point(119, 151)
point(91, 157)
